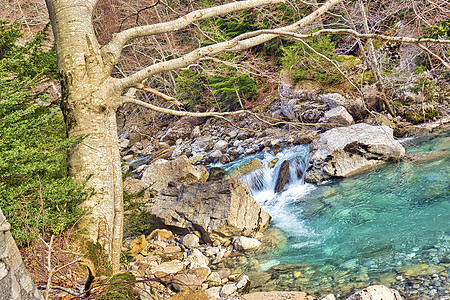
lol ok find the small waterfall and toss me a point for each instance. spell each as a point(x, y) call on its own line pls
point(297, 159)
point(262, 183)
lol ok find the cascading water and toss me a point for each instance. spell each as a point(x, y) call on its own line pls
point(383, 226)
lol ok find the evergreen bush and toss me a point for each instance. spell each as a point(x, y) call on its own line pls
point(36, 195)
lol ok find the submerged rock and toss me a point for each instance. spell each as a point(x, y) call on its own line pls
point(277, 296)
point(246, 168)
point(376, 292)
point(341, 152)
point(220, 210)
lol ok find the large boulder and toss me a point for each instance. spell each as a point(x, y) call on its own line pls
point(219, 209)
point(341, 152)
point(376, 292)
point(160, 173)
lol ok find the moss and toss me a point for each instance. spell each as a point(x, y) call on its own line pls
point(417, 117)
point(120, 286)
point(96, 253)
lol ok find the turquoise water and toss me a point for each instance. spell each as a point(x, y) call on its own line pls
point(366, 229)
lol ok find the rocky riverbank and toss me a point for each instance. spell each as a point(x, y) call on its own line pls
point(207, 226)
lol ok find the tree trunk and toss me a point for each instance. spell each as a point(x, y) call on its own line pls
point(15, 282)
point(89, 108)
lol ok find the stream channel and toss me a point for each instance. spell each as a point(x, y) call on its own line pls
point(389, 225)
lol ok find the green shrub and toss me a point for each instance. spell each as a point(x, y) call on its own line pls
point(220, 91)
point(35, 193)
point(307, 65)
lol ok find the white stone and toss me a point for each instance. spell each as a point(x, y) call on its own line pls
point(190, 240)
point(242, 282)
point(195, 259)
point(376, 292)
point(213, 292)
point(214, 279)
point(227, 290)
point(338, 115)
point(170, 267)
point(211, 251)
point(245, 243)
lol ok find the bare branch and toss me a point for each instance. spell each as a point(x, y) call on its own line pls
point(400, 39)
point(159, 94)
point(240, 42)
point(126, 99)
point(112, 50)
point(262, 38)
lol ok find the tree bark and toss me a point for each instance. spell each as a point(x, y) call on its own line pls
point(15, 282)
point(89, 108)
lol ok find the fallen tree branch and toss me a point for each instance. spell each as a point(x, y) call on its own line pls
point(445, 64)
point(221, 115)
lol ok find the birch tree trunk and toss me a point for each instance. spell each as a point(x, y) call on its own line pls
point(90, 111)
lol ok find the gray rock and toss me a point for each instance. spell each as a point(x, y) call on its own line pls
point(338, 115)
point(242, 282)
point(124, 143)
point(341, 152)
point(190, 240)
point(195, 259)
point(376, 292)
point(170, 267)
point(354, 106)
point(213, 292)
point(214, 279)
point(283, 177)
point(220, 145)
point(180, 170)
point(219, 209)
point(182, 282)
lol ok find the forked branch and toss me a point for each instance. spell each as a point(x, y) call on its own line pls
point(112, 50)
point(240, 42)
